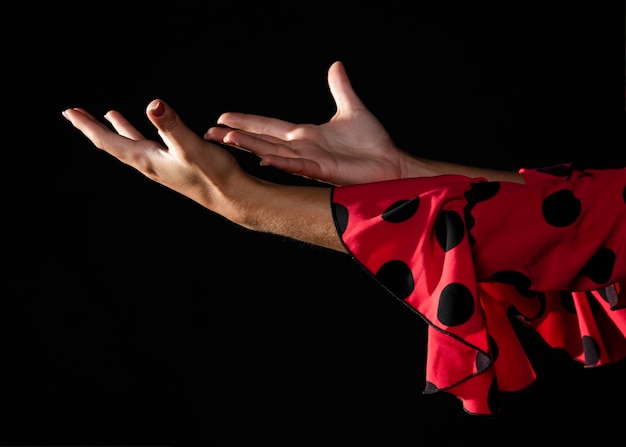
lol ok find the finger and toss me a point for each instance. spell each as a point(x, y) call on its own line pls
point(122, 126)
point(174, 132)
point(298, 166)
point(257, 124)
point(80, 118)
point(220, 134)
point(99, 134)
point(341, 89)
point(259, 145)
point(217, 133)
point(126, 150)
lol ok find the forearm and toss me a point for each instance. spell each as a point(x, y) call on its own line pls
point(298, 212)
point(421, 167)
point(305, 214)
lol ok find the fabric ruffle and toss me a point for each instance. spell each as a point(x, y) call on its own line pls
point(466, 254)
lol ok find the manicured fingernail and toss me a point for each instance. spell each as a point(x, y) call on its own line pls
point(158, 109)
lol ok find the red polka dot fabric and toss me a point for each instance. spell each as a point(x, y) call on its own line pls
point(467, 255)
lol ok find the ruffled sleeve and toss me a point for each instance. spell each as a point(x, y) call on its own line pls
point(467, 254)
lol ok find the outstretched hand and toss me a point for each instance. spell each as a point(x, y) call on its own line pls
point(353, 147)
point(209, 174)
point(185, 162)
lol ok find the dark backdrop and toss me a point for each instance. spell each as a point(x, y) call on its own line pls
point(132, 316)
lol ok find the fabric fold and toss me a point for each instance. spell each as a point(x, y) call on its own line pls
point(465, 254)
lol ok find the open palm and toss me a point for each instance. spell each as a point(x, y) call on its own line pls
point(353, 147)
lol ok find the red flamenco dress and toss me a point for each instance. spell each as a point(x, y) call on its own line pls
point(464, 253)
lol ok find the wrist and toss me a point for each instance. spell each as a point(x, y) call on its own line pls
point(412, 166)
point(298, 212)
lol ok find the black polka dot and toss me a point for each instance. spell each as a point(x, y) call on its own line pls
point(449, 230)
point(561, 208)
point(479, 192)
point(609, 294)
point(482, 191)
point(591, 350)
point(401, 210)
point(542, 302)
point(493, 348)
point(520, 281)
point(567, 301)
point(456, 305)
point(482, 361)
point(397, 277)
point(430, 388)
point(341, 217)
point(594, 305)
point(600, 267)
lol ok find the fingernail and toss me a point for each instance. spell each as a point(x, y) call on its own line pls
point(158, 109)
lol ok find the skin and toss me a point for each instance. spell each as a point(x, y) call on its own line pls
point(352, 147)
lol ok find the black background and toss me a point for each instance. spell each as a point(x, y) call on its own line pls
point(132, 316)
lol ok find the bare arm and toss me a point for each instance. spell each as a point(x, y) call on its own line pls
point(210, 175)
point(421, 167)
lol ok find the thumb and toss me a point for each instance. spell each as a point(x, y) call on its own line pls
point(174, 132)
point(341, 89)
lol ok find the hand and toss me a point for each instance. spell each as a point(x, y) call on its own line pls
point(186, 163)
point(210, 175)
point(353, 147)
